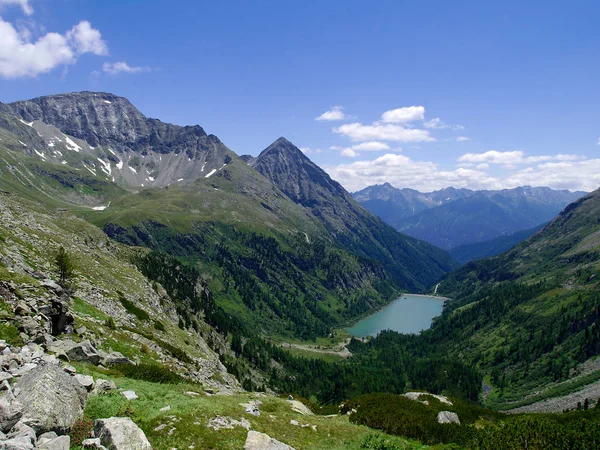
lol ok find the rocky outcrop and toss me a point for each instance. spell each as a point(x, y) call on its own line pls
point(158, 153)
point(52, 400)
point(448, 417)
point(120, 433)
point(262, 441)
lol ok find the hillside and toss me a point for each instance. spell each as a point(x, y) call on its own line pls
point(529, 317)
point(450, 218)
point(268, 260)
point(469, 252)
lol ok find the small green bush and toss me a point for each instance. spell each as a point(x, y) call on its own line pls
point(10, 334)
point(159, 325)
point(80, 431)
point(154, 373)
point(133, 309)
point(110, 323)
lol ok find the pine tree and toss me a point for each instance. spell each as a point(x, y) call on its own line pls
point(64, 265)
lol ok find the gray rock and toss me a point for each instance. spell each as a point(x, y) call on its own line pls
point(86, 381)
point(83, 351)
point(104, 386)
point(21, 430)
point(115, 358)
point(22, 309)
point(447, 417)
point(120, 433)
point(5, 376)
point(49, 284)
point(47, 436)
point(20, 443)
point(58, 443)
point(261, 441)
point(27, 367)
point(11, 411)
point(70, 369)
point(52, 400)
point(93, 444)
point(129, 395)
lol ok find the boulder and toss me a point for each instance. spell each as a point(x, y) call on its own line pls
point(104, 386)
point(120, 433)
point(11, 410)
point(86, 381)
point(93, 444)
point(115, 358)
point(261, 441)
point(21, 430)
point(129, 395)
point(447, 417)
point(58, 443)
point(52, 400)
point(300, 408)
point(19, 443)
point(83, 351)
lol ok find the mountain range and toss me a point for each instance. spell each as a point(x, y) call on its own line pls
point(451, 217)
point(287, 247)
point(197, 272)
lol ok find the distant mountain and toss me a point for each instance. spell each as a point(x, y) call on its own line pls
point(468, 252)
point(412, 261)
point(449, 218)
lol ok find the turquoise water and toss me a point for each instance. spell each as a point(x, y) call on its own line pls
point(407, 314)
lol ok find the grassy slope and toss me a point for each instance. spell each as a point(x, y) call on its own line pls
point(537, 342)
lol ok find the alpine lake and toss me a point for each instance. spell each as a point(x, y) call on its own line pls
point(409, 313)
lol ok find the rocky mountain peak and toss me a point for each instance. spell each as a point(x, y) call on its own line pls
point(295, 174)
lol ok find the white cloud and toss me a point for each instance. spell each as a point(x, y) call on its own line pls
point(510, 159)
point(482, 166)
point(371, 146)
point(598, 142)
point(335, 113)
point(86, 39)
point(574, 175)
point(404, 115)
point(348, 153)
point(122, 66)
point(24, 4)
point(382, 132)
point(20, 57)
point(439, 124)
point(402, 171)
point(305, 150)
point(463, 138)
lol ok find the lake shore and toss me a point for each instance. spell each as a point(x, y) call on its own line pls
point(395, 304)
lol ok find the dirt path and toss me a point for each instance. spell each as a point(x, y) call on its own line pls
point(343, 352)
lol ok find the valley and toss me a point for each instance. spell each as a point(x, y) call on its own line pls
point(225, 285)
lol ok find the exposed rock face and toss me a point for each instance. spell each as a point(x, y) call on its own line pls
point(349, 223)
point(120, 433)
point(447, 417)
point(51, 398)
point(136, 150)
point(261, 441)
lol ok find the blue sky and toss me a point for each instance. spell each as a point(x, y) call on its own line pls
point(477, 94)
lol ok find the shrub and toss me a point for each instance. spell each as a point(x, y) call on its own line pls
point(133, 309)
point(154, 373)
point(64, 266)
point(80, 431)
point(159, 325)
point(110, 323)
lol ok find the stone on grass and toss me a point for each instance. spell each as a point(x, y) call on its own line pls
point(52, 400)
point(129, 395)
point(115, 358)
point(300, 408)
point(83, 351)
point(261, 441)
point(120, 433)
point(447, 417)
point(86, 381)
